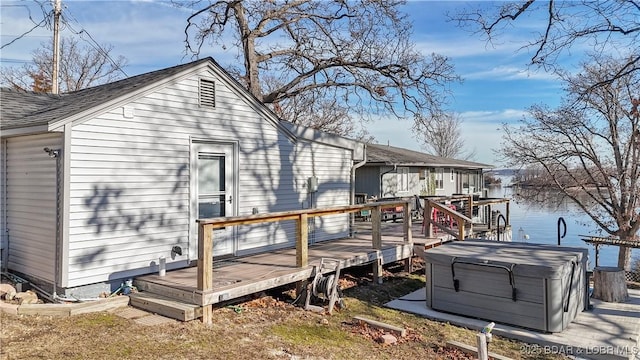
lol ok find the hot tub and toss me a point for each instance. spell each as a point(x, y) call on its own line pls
point(540, 287)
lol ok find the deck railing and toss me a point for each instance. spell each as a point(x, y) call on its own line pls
point(205, 235)
point(463, 219)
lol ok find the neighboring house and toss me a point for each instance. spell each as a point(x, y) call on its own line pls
point(396, 172)
point(97, 185)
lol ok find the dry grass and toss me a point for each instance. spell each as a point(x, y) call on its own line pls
point(265, 328)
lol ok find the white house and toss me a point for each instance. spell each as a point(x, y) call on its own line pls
point(396, 172)
point(97, 185)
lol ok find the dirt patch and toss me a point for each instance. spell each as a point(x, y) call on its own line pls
point(266, 327)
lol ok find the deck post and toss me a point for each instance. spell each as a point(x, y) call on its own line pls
point(302, 248)
point(302, 241)
point(376, 240)
point(507, 216)
point(408, 236)
point(205, 267)
point(428, 210)
point(376, 227)
point(461, 226)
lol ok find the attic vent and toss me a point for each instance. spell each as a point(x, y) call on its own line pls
point(207, 93)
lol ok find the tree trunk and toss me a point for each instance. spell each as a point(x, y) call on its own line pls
point(609, 284)
point(250, 55)
point(624, 258)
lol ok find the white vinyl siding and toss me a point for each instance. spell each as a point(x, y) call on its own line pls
point(332, 167)
point(129, 181)
point(31, 204)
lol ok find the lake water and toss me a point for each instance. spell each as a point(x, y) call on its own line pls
point(541, 224)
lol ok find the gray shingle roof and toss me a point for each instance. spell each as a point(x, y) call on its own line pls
point(391, 155)
point(23, 109)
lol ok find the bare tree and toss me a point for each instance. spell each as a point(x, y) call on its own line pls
point(80, 67)
point(441, 135)
point(352, 57)
point(589, 147)
point(602, 26)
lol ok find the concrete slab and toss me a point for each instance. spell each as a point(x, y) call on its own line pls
point(130, 313)
point(9, 308)
point(608, 331)
point(154, 320)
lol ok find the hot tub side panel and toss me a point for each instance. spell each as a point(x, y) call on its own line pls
point(565, 298)
point(543, 304)
point(487, 294)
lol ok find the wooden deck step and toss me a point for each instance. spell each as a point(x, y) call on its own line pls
point(165, 306)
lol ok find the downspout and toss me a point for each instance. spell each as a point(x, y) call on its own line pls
point(4, 238)
point(56, 155)
point(353, 187)
point(54, 293)
point(395, 169)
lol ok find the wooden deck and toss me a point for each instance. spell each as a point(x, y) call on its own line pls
point(241, 276)
point(191, 292)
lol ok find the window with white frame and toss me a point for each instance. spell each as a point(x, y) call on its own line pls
point(452, 174)
point(439, 178)
point(403, 179)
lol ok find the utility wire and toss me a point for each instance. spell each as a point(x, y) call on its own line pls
point(96, 46)
point(24, 34)
point(37, 25)
point(47, 23)
point(93, 42)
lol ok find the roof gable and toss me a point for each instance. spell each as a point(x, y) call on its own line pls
point(60, 107)
point(21, 110)
point(56, 110)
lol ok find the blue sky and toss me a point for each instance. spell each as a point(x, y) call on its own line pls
point(497, 84)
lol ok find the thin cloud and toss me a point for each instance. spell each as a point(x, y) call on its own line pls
point(460, 46)
point(507, 72)
point(496, 117)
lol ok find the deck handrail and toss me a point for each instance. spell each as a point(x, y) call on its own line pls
point(469, 203)
point(205, 234)
point(461, 219)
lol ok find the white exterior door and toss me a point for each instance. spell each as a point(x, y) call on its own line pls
point(213, 177)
